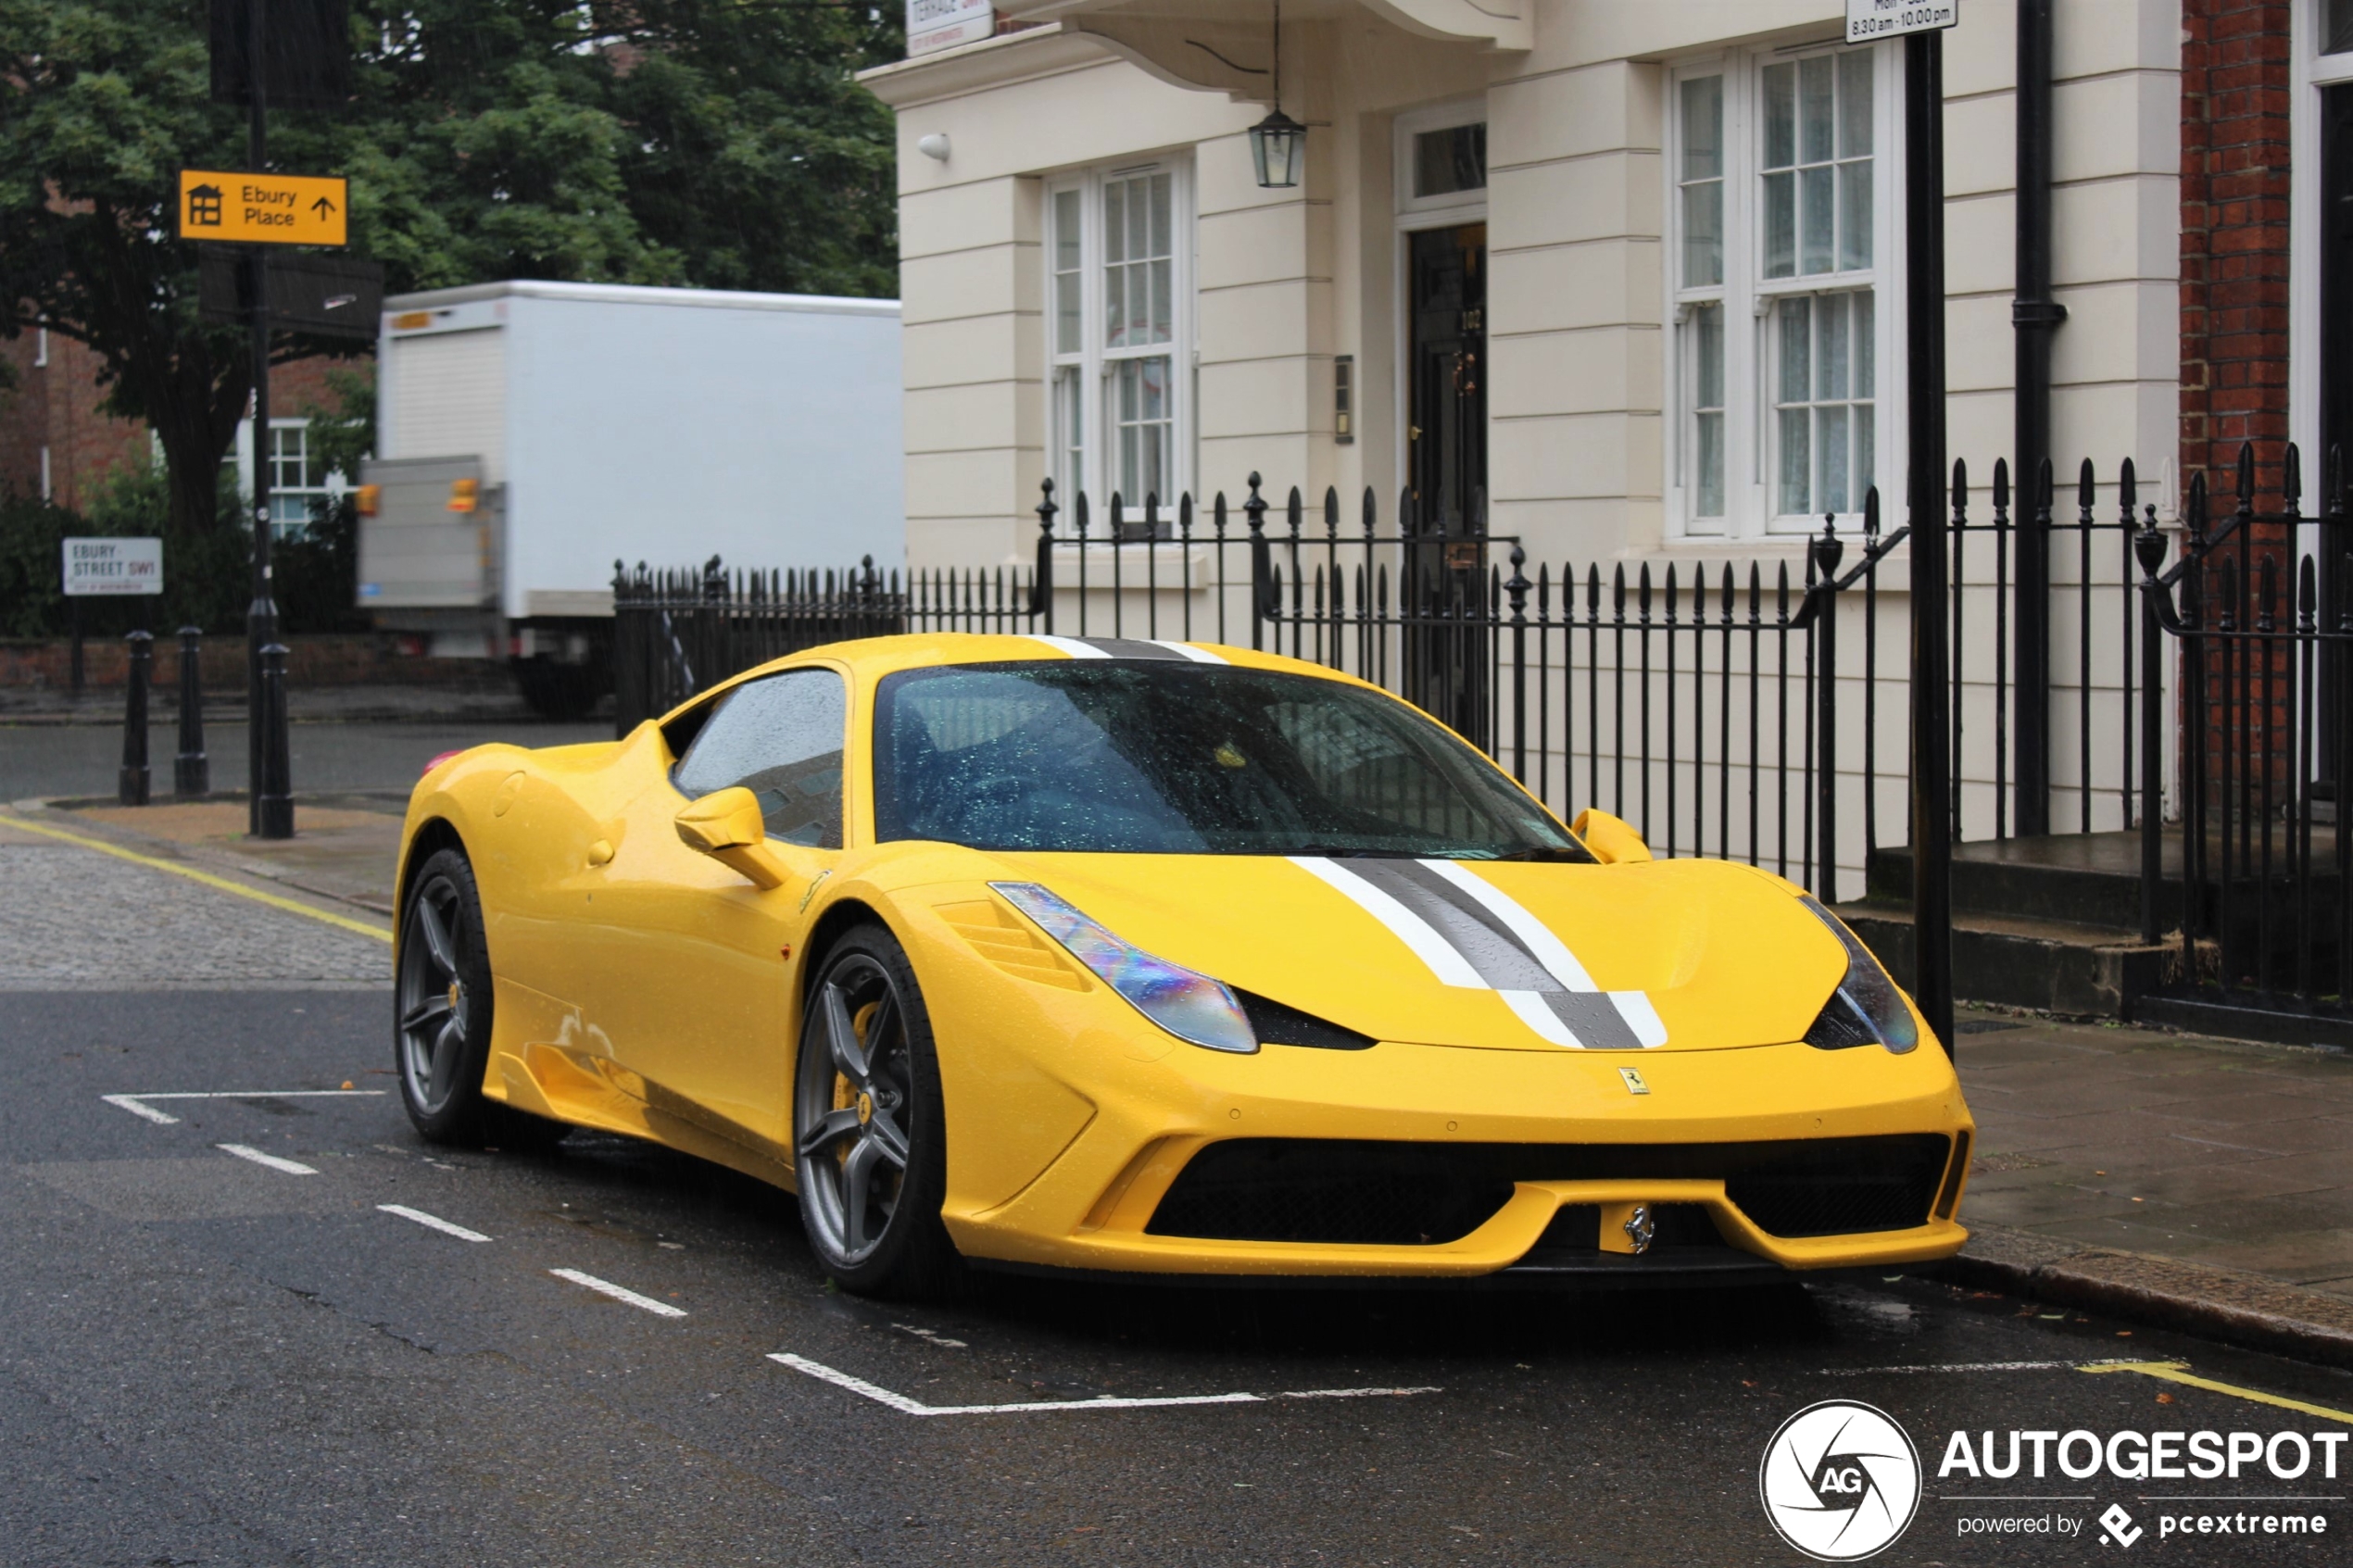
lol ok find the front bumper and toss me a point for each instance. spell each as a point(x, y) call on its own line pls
point(1093, 1204)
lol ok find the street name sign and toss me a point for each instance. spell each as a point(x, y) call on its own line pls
point(934, 25)
point(276, 209)
point(99, 567)
point(1870, 20)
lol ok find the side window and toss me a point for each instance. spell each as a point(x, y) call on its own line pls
point(780, 738)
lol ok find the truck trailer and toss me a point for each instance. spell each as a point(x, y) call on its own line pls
point(533, 435)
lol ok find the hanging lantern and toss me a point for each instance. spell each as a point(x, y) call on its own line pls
point(1278, 148)
point(1278, 142)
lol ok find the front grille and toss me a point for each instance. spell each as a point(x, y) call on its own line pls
point(1419, 1194)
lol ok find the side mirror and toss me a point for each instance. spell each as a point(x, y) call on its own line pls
point(1611, 840)
point(726, 825)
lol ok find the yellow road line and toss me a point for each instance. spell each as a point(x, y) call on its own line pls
point(11, 818)
point(2178, 1372)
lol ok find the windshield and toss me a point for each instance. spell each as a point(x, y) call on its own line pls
point(1169, 758)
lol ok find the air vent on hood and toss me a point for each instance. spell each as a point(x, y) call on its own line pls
point(1011, 945)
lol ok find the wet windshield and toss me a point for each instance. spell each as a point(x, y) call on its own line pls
point(1183, 759)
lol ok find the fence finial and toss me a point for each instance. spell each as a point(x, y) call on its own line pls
point(1254, 510)
point(2291, 476)
point(1046, 508)
point(2128, 488)
point(2148, 546)
point(2247, 476)
point(2001, 484)
point(1828, 551)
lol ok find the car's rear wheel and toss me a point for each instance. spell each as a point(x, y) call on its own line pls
point(869, 1125)
point(441, 1028)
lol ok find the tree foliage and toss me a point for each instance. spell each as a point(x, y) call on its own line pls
point(716, 144)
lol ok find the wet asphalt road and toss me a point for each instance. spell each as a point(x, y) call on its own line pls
point(206, 1359)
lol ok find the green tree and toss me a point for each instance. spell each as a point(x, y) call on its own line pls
point(704, 143)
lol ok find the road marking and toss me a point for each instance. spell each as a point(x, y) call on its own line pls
point(176, 869)
point(2178, 1372)
point(432, 1222)
point(620, 1293)
point(1975, 1366)
point(136, 1104)
point(906, 1405)
point(246, 1151)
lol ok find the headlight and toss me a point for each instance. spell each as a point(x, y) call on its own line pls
point(1867, 1009)
point(1192, 1006)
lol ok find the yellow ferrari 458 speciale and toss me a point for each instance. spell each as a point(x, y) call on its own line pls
point(1042, 952)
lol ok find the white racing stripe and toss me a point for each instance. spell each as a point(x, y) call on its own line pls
point(246, 1151)
point(1530, 1008)
point(137, 1106)
point(432, 1222)
point(1070, 645)
point(1434, 950)
point(1548, 949)
point(620, 1293)
point(1635, 1007)
point(906, 1405)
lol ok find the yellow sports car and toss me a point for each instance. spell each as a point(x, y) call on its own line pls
point(1040, 952)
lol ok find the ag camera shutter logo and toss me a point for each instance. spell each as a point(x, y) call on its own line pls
point(1841, 1481)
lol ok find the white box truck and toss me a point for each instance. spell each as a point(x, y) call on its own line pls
point(530, 434)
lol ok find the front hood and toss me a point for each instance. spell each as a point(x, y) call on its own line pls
point(1679, 955)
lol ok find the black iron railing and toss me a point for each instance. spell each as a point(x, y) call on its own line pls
point(2258, 868)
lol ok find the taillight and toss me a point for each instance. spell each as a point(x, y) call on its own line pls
point(443, 758)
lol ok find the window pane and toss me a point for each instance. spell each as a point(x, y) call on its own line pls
point(1795, 497)
point(781, 739)
point(1830, 425)
point(1855, 103)
point(1115, 307)
point(1707, 324)
point(1066, 272)
point(1164, 304)
point(1814, 225)
point(1115, 222)
point(1780, 225)
point(1708, 492)
point(1865, 439)
point(1450, 160)
point(1866, 344)
point(2336, 28)
point(1704, 234)
point(1814, 109)
point(1796, 334)
point(1704, 128)
point(1161, 187)
point(1853, 215)
point(1830, 349)
point(1781, 115)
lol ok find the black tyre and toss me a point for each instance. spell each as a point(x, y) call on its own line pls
point(440, 1024)
point(869, 1125)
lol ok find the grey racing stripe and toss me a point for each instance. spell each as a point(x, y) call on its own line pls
point(1497, 953)
point(1133, 647)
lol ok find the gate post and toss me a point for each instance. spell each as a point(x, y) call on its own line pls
point(2148, 549)
point(1516, 586)
point(1827, 554)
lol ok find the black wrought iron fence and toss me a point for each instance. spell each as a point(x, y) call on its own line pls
point(2258, 868)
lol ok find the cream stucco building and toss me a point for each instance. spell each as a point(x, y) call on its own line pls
point(1631, 272)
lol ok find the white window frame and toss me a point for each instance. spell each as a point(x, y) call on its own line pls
point(2308, 71)
point(1093, 471)
point(1748, 298)
point(1439, 211)
point(333, 484)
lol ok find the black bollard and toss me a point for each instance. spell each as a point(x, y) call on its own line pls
point(131, 786)
point(274, 798)
point(191, 770)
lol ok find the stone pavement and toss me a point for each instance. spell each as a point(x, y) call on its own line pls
point(2235, 1156)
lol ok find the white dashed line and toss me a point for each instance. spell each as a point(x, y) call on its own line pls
point(906, 1405)
point(432, 1222)
point(246, 1151)
point(137, 1106)
point(620, 1293)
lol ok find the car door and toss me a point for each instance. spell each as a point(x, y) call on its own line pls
point(692, 985)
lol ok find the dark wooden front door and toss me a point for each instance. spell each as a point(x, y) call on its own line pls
point(2337, 407)
point(1446, 465)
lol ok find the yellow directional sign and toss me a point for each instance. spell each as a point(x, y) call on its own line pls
point(283, 209)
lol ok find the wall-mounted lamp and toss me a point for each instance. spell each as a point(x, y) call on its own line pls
point(933, 147)
point(1278, 144)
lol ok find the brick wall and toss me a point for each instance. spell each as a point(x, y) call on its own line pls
point(2235, 235)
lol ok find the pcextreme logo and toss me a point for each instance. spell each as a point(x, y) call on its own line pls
point(1841, 1481)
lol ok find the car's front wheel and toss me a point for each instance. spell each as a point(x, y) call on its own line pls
point(441, 1030)
point(869, 1125)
